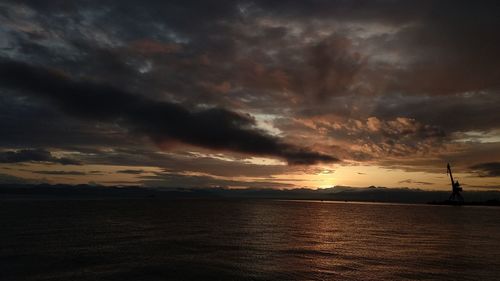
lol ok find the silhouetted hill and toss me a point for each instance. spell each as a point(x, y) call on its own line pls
point(343, 193)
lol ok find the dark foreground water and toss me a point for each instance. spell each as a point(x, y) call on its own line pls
point(245, 240)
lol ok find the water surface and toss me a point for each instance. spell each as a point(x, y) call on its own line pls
point(245, 240)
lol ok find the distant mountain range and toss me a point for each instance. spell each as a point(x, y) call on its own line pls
point(341, 193)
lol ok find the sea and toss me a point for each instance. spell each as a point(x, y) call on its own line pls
point(232, 239)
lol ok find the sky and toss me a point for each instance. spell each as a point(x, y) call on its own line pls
point(250, 94)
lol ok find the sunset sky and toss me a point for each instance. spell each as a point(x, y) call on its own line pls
point(259, 94)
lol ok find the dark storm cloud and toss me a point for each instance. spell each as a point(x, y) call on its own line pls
point(491, 169)
point(28, 123)
point(34, 155)
point(162, 121)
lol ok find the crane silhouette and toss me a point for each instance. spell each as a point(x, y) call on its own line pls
point(455, 188)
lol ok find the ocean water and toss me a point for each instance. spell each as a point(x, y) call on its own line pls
point(245, 240)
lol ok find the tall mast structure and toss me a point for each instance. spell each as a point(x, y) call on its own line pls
point(455, 188)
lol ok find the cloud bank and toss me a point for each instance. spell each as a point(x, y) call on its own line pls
point(213, 128)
